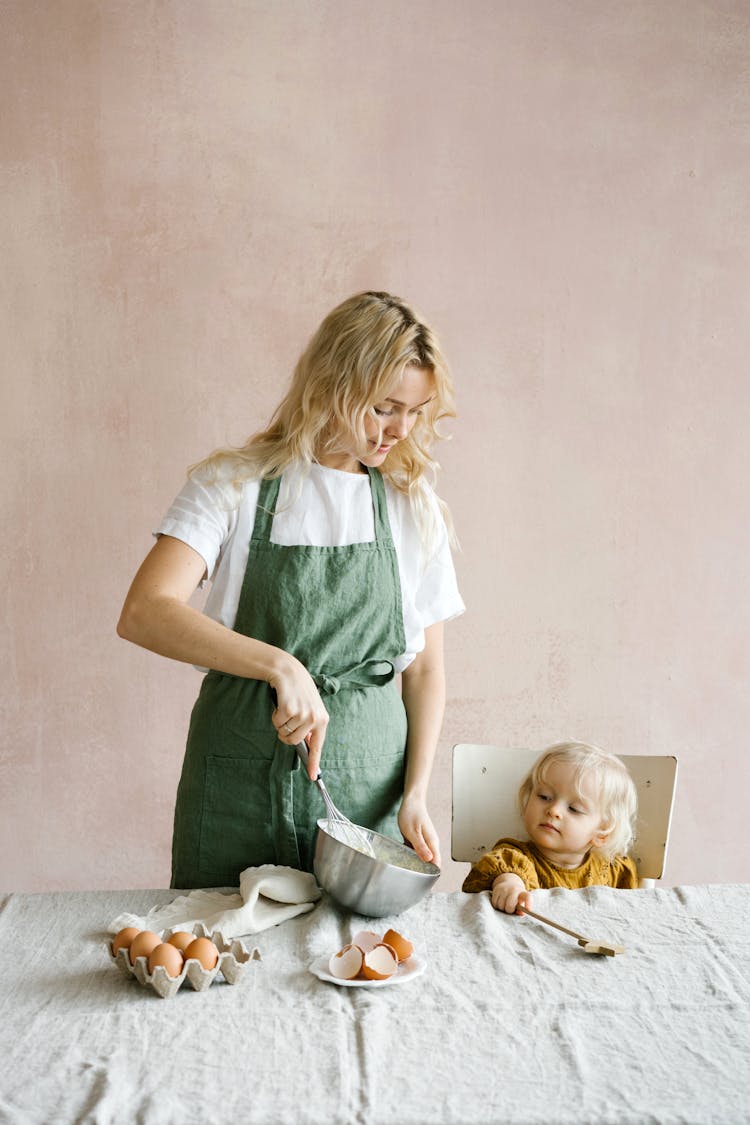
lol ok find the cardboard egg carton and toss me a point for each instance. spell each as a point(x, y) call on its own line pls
point(234, 960)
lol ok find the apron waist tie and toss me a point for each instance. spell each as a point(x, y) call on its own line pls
point(370, 673)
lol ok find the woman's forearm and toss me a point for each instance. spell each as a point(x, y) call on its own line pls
point(157, 616)
point(170, 628)
point(423, 693)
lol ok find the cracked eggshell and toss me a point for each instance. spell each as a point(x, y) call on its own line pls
point(379, 963)
point(347, 963)
point(366, 940)
point(402, 947)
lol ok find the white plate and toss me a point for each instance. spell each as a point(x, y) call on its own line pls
point(407, 970)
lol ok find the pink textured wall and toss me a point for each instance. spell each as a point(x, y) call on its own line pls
point(562, 188)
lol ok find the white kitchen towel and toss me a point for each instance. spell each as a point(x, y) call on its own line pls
point(268, 895)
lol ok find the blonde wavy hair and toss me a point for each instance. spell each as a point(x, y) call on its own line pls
point(614, 790)
point(353, 361)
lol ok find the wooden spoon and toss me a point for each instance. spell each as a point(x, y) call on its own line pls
point(588, 945)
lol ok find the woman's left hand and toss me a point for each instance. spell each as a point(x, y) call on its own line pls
point(418, 830)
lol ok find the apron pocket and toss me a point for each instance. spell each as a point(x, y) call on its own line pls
point(236, 825)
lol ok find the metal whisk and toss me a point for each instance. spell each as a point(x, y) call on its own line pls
point(341, 828)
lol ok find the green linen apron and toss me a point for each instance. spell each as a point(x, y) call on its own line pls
point(243, 798)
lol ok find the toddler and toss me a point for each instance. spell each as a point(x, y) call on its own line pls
point(578, 805)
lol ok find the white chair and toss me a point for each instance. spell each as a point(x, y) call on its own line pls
point(486, 780)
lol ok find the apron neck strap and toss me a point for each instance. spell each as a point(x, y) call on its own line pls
point(266, 508)
point(382, 523)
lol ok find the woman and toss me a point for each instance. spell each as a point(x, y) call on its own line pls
point(331, 572)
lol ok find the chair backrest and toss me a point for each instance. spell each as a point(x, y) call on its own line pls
point(486, 780)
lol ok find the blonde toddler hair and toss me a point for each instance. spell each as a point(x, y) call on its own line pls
point(613, 786)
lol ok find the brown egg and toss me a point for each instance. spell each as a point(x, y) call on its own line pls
point(347, 963)
point(203, 950)
point(402, 948)
point(181, 940)
point(168, 956)
point(142, 945)
point(123, 939)
point(379, 963)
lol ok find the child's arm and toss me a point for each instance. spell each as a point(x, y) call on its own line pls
point(508, 858)
point(509, 892)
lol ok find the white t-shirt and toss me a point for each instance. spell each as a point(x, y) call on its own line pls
point(317, 507)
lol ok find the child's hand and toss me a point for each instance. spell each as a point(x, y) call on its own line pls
point(509, 892)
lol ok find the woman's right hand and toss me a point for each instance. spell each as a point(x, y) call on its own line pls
point(300, 714)
point(509, 892)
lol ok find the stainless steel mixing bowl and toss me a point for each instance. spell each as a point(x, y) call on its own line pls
point(388, 882)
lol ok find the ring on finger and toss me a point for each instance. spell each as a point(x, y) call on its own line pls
point(288, 728)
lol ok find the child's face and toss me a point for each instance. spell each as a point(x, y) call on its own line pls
point(562, 822)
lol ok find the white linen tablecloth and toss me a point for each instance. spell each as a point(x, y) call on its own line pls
point(511, 1022)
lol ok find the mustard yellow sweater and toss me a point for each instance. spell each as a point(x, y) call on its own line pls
point(538, 873)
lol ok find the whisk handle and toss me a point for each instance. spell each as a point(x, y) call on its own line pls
point(304, 757)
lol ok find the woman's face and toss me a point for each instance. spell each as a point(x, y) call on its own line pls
point(392, 420)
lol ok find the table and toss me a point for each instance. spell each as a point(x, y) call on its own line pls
point(510, 1022)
